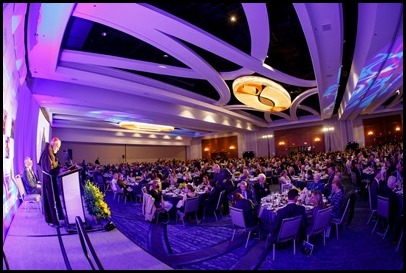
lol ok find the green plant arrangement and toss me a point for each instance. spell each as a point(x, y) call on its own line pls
point(94, 200)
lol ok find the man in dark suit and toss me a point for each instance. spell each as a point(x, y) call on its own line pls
point(327, 186)
point(30, 178)
point(261, 188)
point(223, 179)
point(290, 210)
point(247, 207)
point(246, 193)
point(208, 200)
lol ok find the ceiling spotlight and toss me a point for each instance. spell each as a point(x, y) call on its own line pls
point(261, 94)
point(104, 34)
point(139, 126)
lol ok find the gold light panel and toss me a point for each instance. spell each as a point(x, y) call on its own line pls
point(261, 94)
point(139, 126)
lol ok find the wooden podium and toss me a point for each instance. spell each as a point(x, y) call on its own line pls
point(71, 195)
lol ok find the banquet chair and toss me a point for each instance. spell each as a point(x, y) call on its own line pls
point(320, 223)
point(371, 208)
point(237, 217)
point(191, 205)
point(150, 211)
point(382, 212)
point(118, 192)
point(98, 180)
point(27, 198)
point(338, 221)
point(401, 235)
point(288, 232)
point(218, 207)
point(286, 187)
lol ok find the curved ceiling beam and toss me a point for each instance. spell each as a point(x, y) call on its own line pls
point(301, 97)
point(322, 25)
point(154, 28)
point(378, 25)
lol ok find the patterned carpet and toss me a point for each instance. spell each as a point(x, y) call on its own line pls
point(356, 248)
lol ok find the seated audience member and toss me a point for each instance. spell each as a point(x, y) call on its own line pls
point(316, 199)
point(121, 183)
point(290, 210)
point(394, 202)
point(336, 198)
point(261, 188)
point(245, 192)
point(247, 207)
point(284, 178)
point(156, 192)
point(208, 200)
point(29, 178)
point(309, 175)
point(317, 185)
point(189, 193)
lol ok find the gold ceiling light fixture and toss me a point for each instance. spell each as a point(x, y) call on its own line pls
point(261, 93)
point(139, 126)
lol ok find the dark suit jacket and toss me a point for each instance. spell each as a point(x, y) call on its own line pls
point(260, 192)
point(250, 195)
point(249, 211)
point(209, 199)
point(290, 210)
point(30, 182)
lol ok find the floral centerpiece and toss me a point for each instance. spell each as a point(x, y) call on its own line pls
point(94, 200)
point(182, 185)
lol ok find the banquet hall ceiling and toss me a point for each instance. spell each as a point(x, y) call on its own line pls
point(94, 65)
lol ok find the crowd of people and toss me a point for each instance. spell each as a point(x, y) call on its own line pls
point(234, 177)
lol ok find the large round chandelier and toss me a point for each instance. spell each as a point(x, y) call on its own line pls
point(261, 93)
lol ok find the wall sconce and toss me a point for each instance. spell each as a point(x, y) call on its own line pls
point(281, 143)
point(317, 139)
point(370, 133)
point(261, 94)
point(206, 149)
point(305, 143)
point(397, 128)
point(232, 147)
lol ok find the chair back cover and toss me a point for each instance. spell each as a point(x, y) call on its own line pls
point(347, 205)
point(237, 217)
point(383, 206)
point(20, 186)
point(289, 229)
point(191, 205)
point(321, 221)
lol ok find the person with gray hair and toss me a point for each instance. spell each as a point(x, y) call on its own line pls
point(50, 193)
point(29, 178)
point(261, 188)
point(317, 185)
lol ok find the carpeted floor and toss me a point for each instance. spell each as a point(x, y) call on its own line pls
point(356, 247)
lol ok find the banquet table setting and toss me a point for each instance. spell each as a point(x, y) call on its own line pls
point(271, 203)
